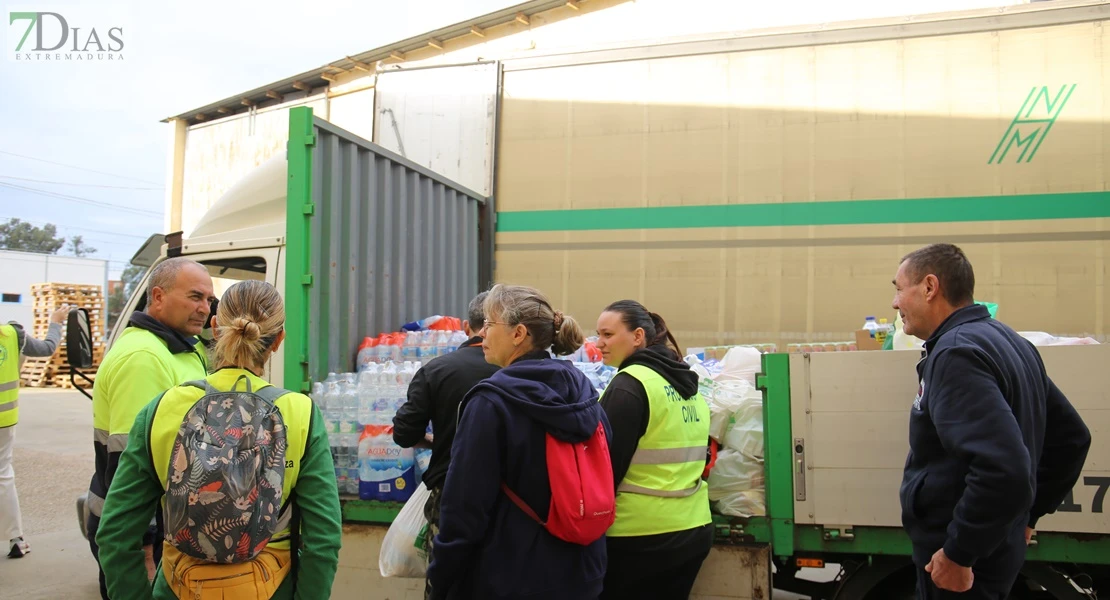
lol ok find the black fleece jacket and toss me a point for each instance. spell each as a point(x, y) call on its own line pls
point(994, 444)
point(434, 395)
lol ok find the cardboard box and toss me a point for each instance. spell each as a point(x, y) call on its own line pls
point(864, 341)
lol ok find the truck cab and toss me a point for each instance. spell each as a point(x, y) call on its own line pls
point(242, 237)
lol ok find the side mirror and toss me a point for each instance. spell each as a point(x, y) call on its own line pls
point(79, 347)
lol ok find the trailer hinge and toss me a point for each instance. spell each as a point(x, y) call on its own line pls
point(306, 280)
point(833, 533)
point(309, 209)
point(310, 139)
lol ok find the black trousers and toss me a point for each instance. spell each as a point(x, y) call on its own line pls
point(984, 588)
point(994, 575)
point(431, 512)
point(630, 576)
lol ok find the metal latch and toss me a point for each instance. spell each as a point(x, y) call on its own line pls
point(799, 469)
point(838, 532)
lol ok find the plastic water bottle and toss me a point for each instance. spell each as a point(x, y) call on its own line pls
point(345, 428)
point(427, 346)
point(317, 395)
point(443, 343)
point(332, 414)
point(423, 458)
point(458, 338)
point(871, 326)
point(367, 354)
point(367, 395)
point(410, 350)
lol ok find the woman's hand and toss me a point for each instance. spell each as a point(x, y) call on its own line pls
point(60, 315)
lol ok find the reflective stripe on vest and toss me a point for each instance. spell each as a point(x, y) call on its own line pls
point(296, 412)
point(662, 491)
point(95, 504)
point(115, 442)
point(9, 376)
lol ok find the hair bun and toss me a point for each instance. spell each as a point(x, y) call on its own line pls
point(249, 329)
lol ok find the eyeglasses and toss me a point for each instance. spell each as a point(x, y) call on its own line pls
point(486, 324)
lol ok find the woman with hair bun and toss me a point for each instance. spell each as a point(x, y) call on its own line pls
point(249, 328)
point(488, 548)
point(663, 529)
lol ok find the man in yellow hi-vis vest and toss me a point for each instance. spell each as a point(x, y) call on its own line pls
point(13, 343)
point(158, 350)
point(663, 529)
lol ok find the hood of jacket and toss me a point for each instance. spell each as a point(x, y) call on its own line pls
point(662, 360)
point(551, 392)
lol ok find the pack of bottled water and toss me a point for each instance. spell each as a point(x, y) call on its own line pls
point(417, 342)
point(358, 411)
point(599, 374)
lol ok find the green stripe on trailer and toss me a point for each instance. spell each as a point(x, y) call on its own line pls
point(1015, 207)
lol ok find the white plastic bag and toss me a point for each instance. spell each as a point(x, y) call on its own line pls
point(403, 553)
point(740, 363)
point(736, 484)
point(731, 402)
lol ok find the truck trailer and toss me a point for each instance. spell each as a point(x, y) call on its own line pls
point(361, 240)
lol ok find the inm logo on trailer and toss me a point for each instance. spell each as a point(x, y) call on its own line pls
point(1032, 123)
point(50, 36)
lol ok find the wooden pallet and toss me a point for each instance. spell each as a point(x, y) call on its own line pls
point(63, 380)
point(37, 372)
point(70, 288)
point(53, 371)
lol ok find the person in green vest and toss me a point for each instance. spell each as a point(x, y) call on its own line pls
point(663, 529)
point(14, 342)
point(249, 328)
point(158, 350)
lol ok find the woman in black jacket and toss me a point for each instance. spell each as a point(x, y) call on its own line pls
point(663, 530)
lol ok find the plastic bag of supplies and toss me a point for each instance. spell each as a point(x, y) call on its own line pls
point(403, 551)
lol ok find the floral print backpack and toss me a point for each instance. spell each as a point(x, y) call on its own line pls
point(224, 490)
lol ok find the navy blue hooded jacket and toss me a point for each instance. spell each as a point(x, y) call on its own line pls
point(994, 444)
point(487, 548)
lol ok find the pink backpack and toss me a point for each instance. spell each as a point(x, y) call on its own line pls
point(583, 503)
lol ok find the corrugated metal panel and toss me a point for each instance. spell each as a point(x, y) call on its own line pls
point(388, 242)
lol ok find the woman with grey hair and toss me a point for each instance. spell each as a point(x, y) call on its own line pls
point(488, 547)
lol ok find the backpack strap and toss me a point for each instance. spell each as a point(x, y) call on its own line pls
point(271, 393)
point(202, 384)
point(519, 502)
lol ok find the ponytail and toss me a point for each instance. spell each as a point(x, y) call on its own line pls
point(663, 335)
point(635, 316)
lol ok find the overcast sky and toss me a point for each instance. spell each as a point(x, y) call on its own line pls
point(178, 55)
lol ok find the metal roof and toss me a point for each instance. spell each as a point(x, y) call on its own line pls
point(323, 76)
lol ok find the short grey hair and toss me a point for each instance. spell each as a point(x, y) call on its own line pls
point(476, 312)
point(548, 328)
point(165, 273)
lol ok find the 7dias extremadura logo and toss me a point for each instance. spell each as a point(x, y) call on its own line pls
point(49, 36)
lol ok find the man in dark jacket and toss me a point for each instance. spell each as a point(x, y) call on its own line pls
point(434, 395)
point(994, 444)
